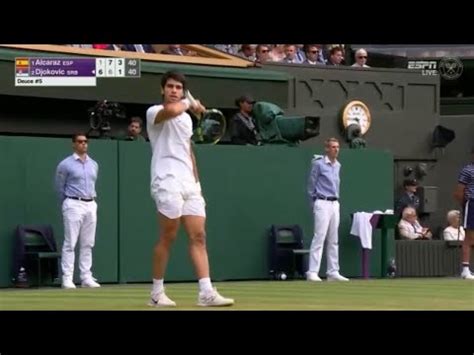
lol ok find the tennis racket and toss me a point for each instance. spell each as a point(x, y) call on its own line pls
point(211, 125)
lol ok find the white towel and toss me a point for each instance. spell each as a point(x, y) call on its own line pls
point(362, 228)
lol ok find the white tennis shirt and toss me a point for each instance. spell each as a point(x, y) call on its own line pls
point(170, 143)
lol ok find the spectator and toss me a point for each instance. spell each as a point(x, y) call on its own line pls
point(321, 56)
point(243, 127)
point(174, 49)
point(247, 51)
point(227, 48)
point(277, 53)
point(454, 231)
point(335, 56)
point(140, 48)
point(103, 46)
point(118, 47)
point(312, 53)
point(410, 228)
point(87, 46)
point(263, 53)
point(300, 53)
point(361, 59)
point(290, 55)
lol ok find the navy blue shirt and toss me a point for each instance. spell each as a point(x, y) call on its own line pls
point(466, 177)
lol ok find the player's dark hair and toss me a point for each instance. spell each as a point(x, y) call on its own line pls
point(175, 75)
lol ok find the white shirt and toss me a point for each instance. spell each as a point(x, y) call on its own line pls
point(451, 233)
point(360, 66)
point(409, 230)
point(139, 48)
point(171, 146)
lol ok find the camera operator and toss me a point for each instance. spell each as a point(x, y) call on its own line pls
point(134, 130)
point(243, 127)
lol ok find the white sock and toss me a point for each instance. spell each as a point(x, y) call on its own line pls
point(157, 285)
point(465, 269)
point(205, 284)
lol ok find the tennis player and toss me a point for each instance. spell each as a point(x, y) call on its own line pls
point(176, 189)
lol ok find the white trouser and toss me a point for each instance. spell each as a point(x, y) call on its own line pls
point(326, 225)
point(80, 220)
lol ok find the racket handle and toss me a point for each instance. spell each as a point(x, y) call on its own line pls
point(199, 134)
point(191, 98)
point(193, 102)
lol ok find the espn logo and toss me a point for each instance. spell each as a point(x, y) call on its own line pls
point(428, 67)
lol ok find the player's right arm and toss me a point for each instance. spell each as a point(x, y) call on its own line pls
point(169, 110)
point(161, 113)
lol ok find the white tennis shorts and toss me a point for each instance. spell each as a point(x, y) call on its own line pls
point(175, 198)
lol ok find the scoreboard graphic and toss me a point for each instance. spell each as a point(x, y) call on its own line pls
point(44, 71)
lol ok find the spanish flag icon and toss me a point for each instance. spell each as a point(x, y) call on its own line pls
point(22, 62)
